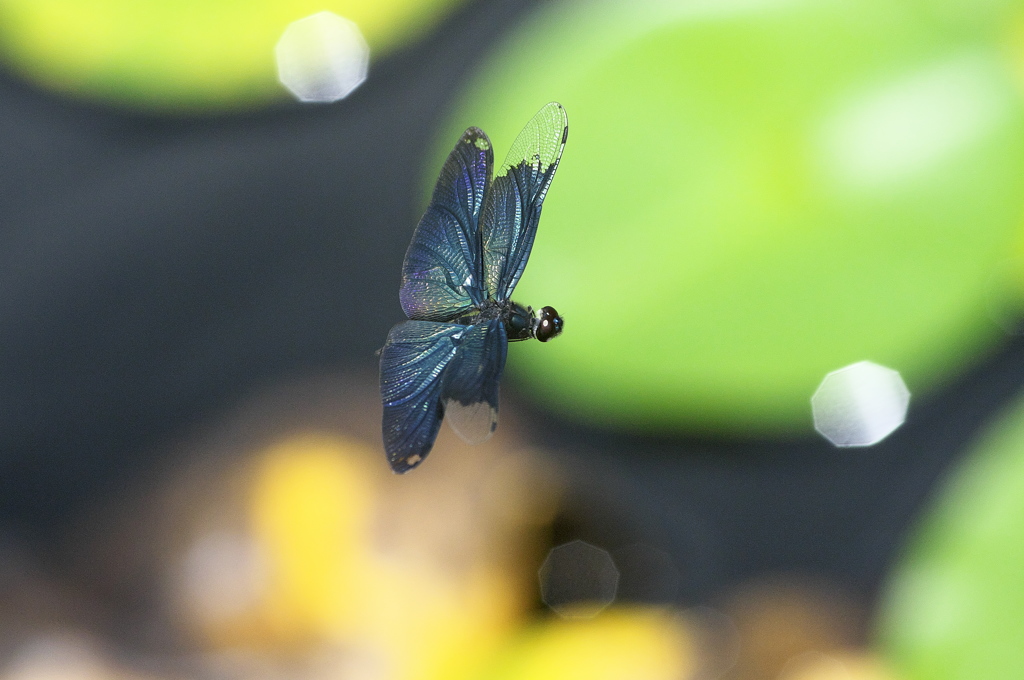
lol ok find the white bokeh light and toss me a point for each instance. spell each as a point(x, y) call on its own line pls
point(860, 404)
point(578, 580)
point(223, 574)
point(322, 57)
point(66, 655)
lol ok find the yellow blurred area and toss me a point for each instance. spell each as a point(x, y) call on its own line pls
point(624, 643)
point(302, 553)
point(181, 54)
point(310, 514)
point(320, 549)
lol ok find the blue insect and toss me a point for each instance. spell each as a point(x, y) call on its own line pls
point(466, 256)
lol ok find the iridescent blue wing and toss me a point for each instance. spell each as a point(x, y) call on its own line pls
point(441, 277)
point(470, 392)
point(512, 207)
point(412, 366)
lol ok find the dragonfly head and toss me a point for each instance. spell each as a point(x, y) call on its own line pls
point(548, 325)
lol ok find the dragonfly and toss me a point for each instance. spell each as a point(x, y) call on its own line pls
point(467, 254)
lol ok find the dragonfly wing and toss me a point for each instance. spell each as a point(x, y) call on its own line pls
point(443, 269)
point(412, 367)
point(513, 203)
point(470, 392)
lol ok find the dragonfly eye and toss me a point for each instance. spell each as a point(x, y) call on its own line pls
point(549, 324)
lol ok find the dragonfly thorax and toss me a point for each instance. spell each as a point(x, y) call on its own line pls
point(521, 323)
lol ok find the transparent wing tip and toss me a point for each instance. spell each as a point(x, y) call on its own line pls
point(474, 423)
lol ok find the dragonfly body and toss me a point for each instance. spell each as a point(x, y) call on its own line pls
point(466, 257)
point(521, 323)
